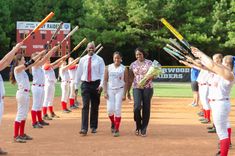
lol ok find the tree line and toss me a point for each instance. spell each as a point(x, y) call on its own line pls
point(124, 25)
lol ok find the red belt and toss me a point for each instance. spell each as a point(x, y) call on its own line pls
point(25, 90)
point(219, 99)
point(39, 85)
point(201, 84)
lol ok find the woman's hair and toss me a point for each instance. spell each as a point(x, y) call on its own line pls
point(219, 55)
point(142, 51)
point(117, 53)
point(15, 63)
point(229, 58)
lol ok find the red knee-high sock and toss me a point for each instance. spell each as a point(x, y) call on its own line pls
point(16, 128)
point(208, 115)
point(224, 147)
point(117, 122)
point(229, 135)
point(111, 117)
point(39, 115)
point(51, 109)
point(64, 105)
point(33, 115)
point(22, 125)
point(44, 109)
point(71, 101)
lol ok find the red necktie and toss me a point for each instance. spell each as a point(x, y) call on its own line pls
point(89, 70)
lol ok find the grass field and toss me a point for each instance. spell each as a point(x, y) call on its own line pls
point(182, 90)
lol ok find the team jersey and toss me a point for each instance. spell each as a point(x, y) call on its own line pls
point(38, 76)
point(2, 89)
point(64, 74)
point(72, 72)
point(219, 88)
point(49, 74)
point(203, 77)
point(116, 76)
point(22, 80)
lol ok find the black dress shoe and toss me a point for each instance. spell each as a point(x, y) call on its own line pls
point(143, 133)
point(137, 132)
point(83, 132)
point(93, 130)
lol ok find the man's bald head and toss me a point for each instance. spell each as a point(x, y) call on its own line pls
point(90, 48)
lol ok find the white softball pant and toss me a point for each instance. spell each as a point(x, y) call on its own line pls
point(203, 95)
point(114, 102)
point(38, 97)
point(220, 113)
point(49, 94)
point(64, 91)
point(22, 99)
point(1, 110)
point(72, 90)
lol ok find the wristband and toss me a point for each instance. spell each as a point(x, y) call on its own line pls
point(28, 63)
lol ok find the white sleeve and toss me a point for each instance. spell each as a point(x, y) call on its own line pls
point(78, 74)
point(102, 69)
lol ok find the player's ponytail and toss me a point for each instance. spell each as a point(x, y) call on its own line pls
point(15, 63)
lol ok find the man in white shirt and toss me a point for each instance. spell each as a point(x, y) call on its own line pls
point(91, 74)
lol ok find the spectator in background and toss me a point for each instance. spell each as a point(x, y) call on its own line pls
point(194, 85)
point(234, 64)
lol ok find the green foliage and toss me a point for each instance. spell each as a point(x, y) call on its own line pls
point(124, 25)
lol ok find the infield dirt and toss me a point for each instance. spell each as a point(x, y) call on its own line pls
point(174, 130)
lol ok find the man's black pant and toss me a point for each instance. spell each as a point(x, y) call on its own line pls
point(142, 100)
point(90, 94)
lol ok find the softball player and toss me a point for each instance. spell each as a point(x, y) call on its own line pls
point(19, 75)
point(203, 95)
point(72, 95)
point(38, 90)
point(115, 86)
point(4, 62)
point(220, 84)
point(65, 83)
point(49, 90)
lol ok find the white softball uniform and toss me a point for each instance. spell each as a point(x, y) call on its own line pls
point(203, 88)
point(38, 88)
point(2, 94)
point(22, 95)
point(115, 89)
point(219, 95)
point(49, 89)
point(65, 81)
point(72, 72)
